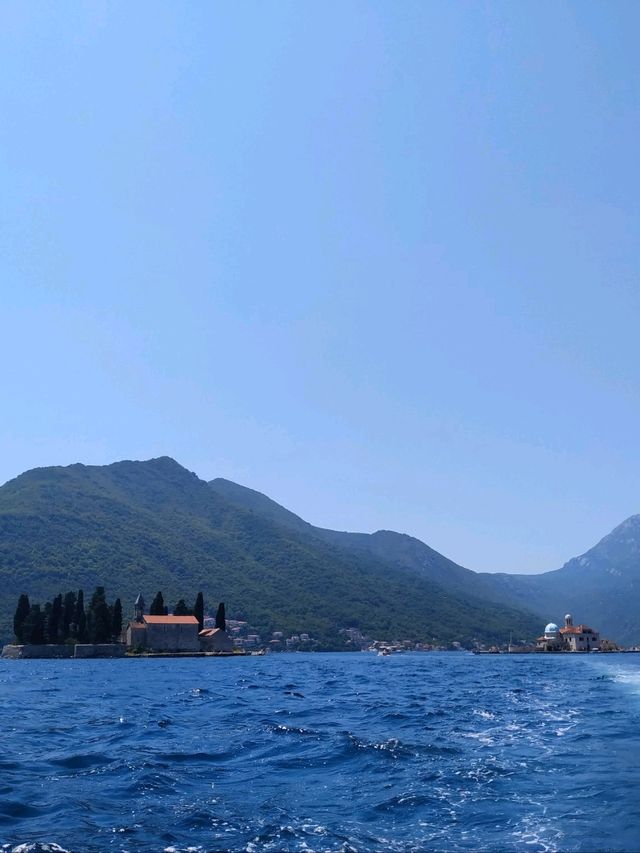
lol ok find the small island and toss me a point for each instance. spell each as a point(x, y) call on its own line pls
point(64, 628)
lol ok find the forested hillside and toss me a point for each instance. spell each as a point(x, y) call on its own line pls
point(601, 587)
point(144, 526)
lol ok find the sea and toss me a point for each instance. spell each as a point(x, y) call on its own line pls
point(322, 752)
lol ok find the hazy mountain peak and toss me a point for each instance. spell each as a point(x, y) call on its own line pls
point(631, 523)
point(620, 546)
point(158, 463)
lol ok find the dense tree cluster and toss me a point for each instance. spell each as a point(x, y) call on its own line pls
point(158, 608)
point(65, 619)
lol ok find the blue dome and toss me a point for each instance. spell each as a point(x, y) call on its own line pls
point(551, 628)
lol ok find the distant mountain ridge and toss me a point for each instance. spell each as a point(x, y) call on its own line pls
point(144, 526)
point(600, 587)
point(396, 548)
point(152, 525)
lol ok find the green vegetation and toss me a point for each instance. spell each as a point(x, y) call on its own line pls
point(79, 626)
point(99, 618)
point(157, 606)
point(33, 628)
point(198, 610)
point(64, 620)
point(154, 525)
point(116, 618)
point(220, 617)
point(20, 617)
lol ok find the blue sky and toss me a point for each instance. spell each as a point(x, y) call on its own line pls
point(378, 260)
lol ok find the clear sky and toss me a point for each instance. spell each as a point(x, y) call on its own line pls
point(378, 260)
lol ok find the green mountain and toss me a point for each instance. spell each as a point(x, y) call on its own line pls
point(397, 549)
point(600, 588)
point(144, 526)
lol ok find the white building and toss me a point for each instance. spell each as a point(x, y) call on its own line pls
point(579, 638)
point(551, 640)
point(571, 638)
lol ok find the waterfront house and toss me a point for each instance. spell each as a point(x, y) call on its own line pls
point(215, 640)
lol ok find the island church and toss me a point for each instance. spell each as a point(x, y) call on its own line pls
point(571, 638)
point(173, 633)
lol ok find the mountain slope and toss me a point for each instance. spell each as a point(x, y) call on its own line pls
point(153, 525)
point(601, 587)
point(400, 550)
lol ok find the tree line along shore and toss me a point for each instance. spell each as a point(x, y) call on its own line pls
point(66, 619)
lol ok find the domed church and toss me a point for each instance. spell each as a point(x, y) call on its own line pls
point(571, 638)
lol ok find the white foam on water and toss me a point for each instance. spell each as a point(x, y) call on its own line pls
point(482, 737)
point(313, 828)
point(627, 675)
point(555, 713)
point(37, 847)
point(486, 715)
point(182, 849)
point(562, 730)
point(629, 678)
point(535, 832)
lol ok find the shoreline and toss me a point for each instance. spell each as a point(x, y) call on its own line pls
point(105, 651)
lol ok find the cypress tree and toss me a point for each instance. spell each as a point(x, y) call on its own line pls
point(221, 621)
point(68, 614)
point(33, 628)
point(98, 617)
point(54, 621)
point(116, 620)
point(22, 611)
point(198, 610)
point(48, 608)
point(181, 609)
point(157, 606)
point(80, 619)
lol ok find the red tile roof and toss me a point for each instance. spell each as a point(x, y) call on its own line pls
point(170, 620)
point(577, 629)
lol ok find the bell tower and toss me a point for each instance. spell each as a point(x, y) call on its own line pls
point(568, 621)
point(139, 608)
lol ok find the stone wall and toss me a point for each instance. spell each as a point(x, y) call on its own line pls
point(173, 638)
point(99, 650)
point(88, 650)
point(37, 652)
point(136, 636)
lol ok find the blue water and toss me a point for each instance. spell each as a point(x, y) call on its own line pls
point(323, 752)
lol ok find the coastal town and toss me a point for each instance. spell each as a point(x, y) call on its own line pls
point(63, 629)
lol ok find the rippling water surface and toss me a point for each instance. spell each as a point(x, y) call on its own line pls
point(322, 752)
